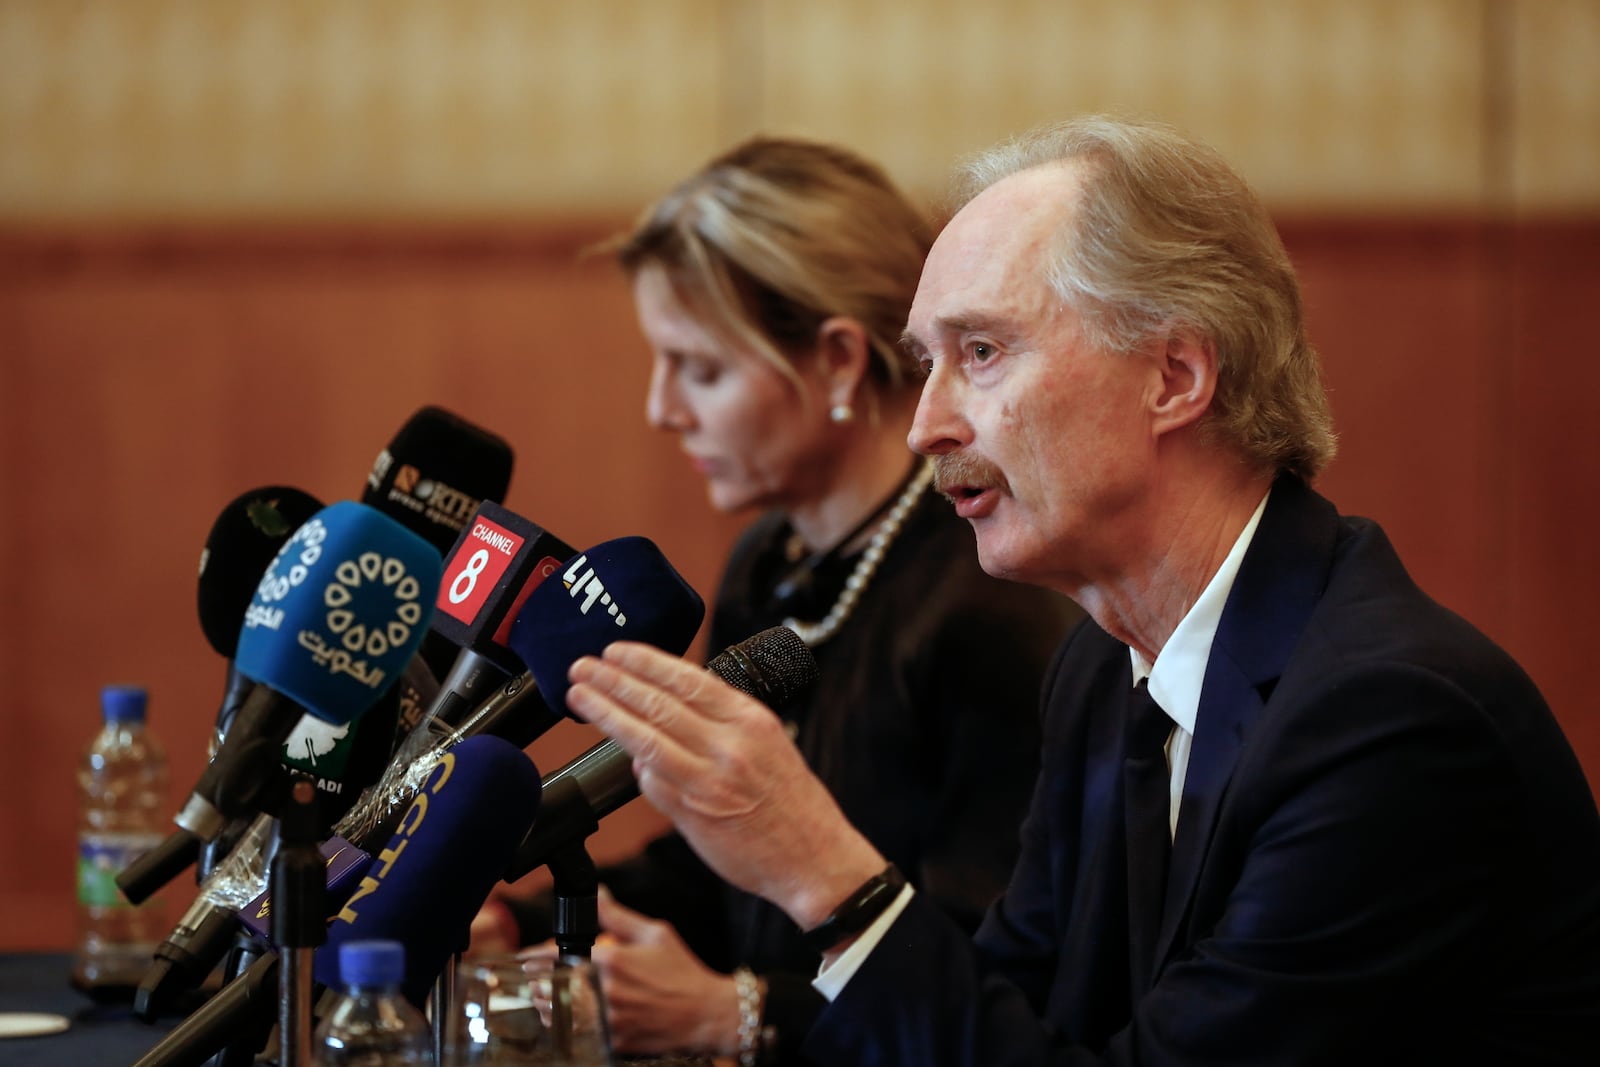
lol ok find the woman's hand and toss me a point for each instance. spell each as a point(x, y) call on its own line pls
point(659, 996)
point(494, 930)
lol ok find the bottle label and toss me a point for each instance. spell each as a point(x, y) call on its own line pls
point(101, 857)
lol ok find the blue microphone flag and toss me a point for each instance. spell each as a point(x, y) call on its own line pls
point(620, 590)
point(340, 611)
point(453, 844)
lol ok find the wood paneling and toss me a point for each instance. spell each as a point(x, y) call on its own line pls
point(147, 377)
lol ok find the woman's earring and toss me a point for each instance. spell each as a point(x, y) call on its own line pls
point(841, 413)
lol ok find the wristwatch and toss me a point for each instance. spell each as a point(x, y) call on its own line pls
point(858, 911)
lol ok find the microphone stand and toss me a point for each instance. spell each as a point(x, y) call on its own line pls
point(444, 998)
point(577, 924)
point(299, 918)
point(250, 1035)
point(243, 1003)
point(577, 893)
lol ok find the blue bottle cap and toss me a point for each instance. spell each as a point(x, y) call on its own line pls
point(122, 703)
point(372, 963)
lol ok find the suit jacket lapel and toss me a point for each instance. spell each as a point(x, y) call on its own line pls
point(1278, 585)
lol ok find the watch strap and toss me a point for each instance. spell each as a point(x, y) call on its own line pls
point(857, 911)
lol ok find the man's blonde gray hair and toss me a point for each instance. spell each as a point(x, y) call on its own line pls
point(1167, 238)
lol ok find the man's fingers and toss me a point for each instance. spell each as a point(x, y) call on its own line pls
point(692, 685)
point(637, 716)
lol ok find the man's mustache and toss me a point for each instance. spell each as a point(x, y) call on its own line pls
point(965, 470)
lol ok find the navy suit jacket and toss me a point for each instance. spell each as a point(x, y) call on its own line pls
point(1386, 852)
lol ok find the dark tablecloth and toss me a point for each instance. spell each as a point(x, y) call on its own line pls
point(99, 1035)
point(109, 1035)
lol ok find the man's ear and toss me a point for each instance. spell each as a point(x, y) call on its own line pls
point(1188, 367)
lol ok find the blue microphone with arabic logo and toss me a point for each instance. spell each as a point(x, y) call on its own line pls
point(336, 617)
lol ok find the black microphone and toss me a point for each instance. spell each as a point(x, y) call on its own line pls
point(243, 540)
point(773, 666)
point(430, 478)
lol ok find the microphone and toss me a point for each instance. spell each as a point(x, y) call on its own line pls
point(429, 478)
point(667, 613)
point(248, 533)
point(422, 890)
point(435, 872)
point(488, 574)
point(335, 619)
point(553, 628)
point(243, 540)
point(589, 608)
point(333, 622)
point(772, 666)
point(435, 471)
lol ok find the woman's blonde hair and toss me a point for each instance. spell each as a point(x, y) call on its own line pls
point(777, 235)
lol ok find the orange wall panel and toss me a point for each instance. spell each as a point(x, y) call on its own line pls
point(148, 377)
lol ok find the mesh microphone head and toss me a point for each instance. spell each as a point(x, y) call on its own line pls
point(771, 666)
point(243, 540)
point(434, 474)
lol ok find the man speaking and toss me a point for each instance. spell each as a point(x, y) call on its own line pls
point(1290, 810)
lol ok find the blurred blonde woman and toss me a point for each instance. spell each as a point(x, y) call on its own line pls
point(771, 288)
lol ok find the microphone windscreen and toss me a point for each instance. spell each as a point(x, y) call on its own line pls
point(340, 611)
point(243, 540)
point(435, 472)
point(621, 590)
point(453, 844)
point(772, 666)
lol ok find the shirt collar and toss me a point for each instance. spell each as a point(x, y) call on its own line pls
point(1179, 671)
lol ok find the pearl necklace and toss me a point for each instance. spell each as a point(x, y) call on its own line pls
point(814, 633)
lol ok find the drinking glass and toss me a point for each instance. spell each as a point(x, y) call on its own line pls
point(511, 1012)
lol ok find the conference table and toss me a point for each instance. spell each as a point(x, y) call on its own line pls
point(97, 1035)
point(108, 1035)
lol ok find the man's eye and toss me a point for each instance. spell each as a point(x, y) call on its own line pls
point(981, 352)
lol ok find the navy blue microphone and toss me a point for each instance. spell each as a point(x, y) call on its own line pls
point(621, 590)
point(451, 847)
point(422, 889)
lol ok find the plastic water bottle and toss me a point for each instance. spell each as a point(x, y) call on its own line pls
point(372, 1025)
point(122, 783)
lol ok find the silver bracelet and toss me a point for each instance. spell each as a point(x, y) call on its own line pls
point(749, 990)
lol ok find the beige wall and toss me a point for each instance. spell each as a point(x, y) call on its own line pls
point(526, 107)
